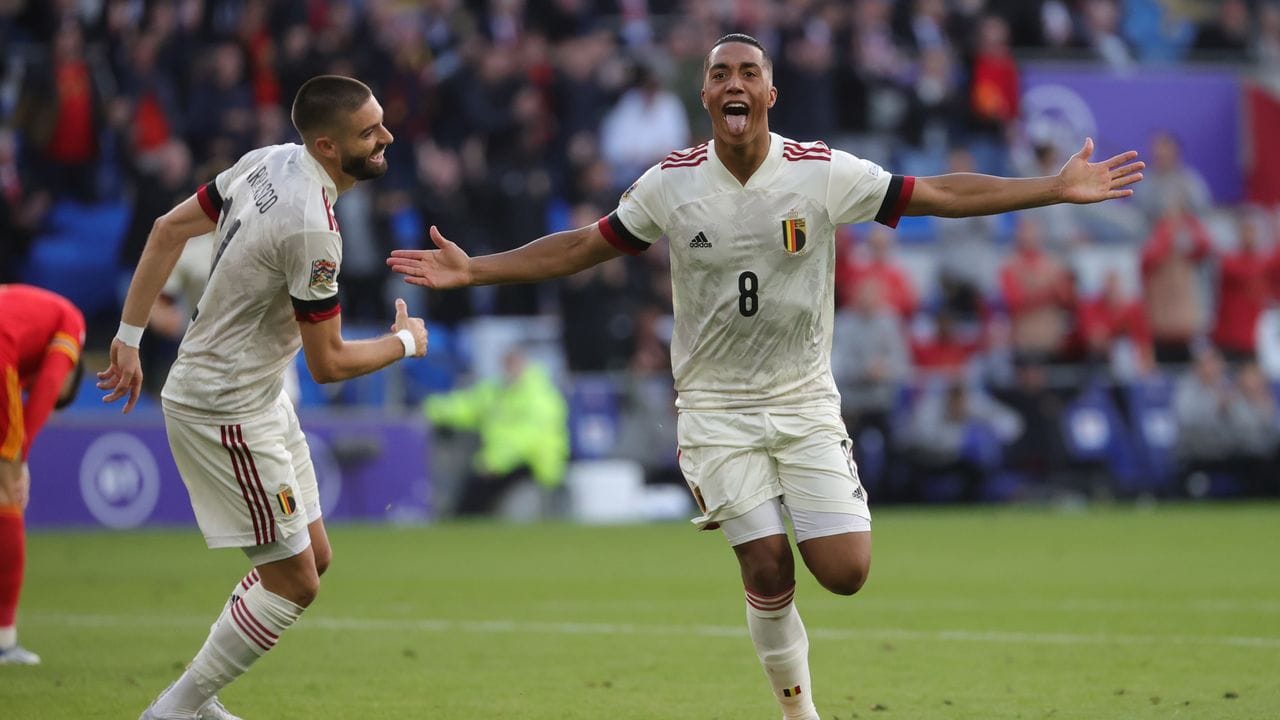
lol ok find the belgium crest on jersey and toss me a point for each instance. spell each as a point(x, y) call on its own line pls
point(793, 234)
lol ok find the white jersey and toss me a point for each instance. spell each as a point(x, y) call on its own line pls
point(276, 264)
point(753, 267)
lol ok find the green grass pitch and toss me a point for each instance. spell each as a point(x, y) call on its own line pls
point(990, 613)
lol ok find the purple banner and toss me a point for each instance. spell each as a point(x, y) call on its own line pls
point(1122, 111)
point(99, 469)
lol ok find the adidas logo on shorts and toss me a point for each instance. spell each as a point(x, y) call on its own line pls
point(700, 241)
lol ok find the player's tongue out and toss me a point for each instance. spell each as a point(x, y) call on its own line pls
point(735, 117)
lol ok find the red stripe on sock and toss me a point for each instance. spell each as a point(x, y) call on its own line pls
point(771, 602)
point(270, 635)
point(238, 614)
point(13, 556)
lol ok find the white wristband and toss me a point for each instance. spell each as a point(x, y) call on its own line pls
point(410, 345)
point(130, 335)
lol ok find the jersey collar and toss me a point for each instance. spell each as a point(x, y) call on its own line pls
point(760, 177)
point(313, 166)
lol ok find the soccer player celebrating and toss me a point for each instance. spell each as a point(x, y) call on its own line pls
point(751, 218)
point(41, 334)
point(233, 433)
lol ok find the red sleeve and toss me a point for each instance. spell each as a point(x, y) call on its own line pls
point(43, 393)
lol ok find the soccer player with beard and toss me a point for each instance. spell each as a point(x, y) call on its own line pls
point(751, 218)
point(232, 430)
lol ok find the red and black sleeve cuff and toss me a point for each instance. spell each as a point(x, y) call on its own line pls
point(895, 200)
point(210, 200)
point(314, 311)
point(619, 236)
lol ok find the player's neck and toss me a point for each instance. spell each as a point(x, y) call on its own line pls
point(742, 160)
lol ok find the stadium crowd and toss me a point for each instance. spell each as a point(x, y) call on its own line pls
point(514, 118)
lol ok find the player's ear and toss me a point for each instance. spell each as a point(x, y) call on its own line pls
point(773, 95)
point(702, 94)
point(326, 147)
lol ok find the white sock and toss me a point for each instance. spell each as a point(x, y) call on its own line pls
point(237, 592)
point(256, 621)
point(783, 648)
point(8, 637)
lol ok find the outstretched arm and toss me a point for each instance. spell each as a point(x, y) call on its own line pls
point(550, 256)
point(1079, 182)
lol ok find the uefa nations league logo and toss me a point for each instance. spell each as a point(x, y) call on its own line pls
point(119, 480)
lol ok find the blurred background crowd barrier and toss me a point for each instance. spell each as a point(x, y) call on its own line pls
point(1130, 349)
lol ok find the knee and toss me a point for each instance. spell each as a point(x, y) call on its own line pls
point(768, 574)
point(305, 590)
point(847, 582)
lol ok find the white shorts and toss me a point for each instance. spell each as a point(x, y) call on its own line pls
point(735, 462)
point(766, 519)
point(251, 484)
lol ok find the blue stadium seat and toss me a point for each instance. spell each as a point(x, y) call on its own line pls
point(1154, 431)
point(594, 417)
point(77, 257)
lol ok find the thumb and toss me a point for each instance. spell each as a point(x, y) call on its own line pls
point(437, 238)
point(402, 310)
point(1087, 151)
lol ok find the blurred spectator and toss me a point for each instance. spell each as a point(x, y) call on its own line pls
point(598, 329)
point(1039, 296)
point(1115, 331)
point(1058, 29)
point(1226, 37)
point(1243, 292)
point(872, 260)
point(872, 76)
point(22, 209)
point(807, 70)
point(646, 124)
point(522, 422)
point(1171, 286)
point(155, 105)
point(1225, 427)
point(968, 259)
point(957, 431)
point(936, 104)
point(363, 269)
point(1266, 47)
point(223, 105)
point(1102, 33)
point(1168, 179)
point(1202, 407)
point(948, 349)
point(60, 116)
point(443, 200)
point(869, 360)
point(994, 89)
point(1258, 424)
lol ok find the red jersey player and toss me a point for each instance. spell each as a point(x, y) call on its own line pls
point(41, 334)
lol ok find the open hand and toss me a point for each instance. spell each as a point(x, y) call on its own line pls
point(123, 377)
point(413, 325)
point(447, 267)
point(1085, 182)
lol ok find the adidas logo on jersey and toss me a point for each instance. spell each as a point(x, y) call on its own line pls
point(700, 241)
